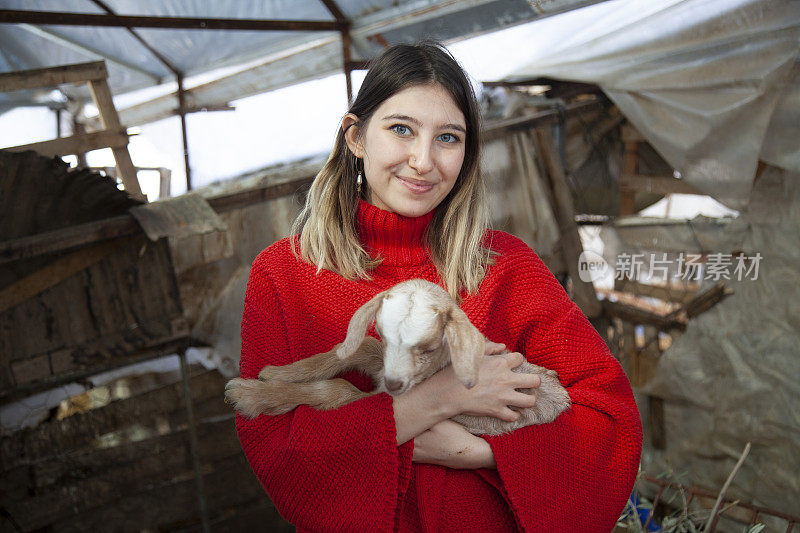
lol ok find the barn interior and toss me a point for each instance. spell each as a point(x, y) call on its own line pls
point(120, 307)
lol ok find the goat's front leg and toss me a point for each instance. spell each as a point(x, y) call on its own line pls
point(253, 397)
point(368, 359)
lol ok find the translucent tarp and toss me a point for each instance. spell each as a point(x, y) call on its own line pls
point(731, 378)
point(703, 80)
point(194, 52)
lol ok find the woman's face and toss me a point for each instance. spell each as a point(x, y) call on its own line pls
point(412, 148)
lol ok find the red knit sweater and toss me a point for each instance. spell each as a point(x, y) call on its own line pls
point(342, 470)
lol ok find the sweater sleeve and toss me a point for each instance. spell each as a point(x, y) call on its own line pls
point(338, 470)
point(576, 473)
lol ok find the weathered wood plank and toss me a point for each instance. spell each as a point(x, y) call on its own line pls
point(125, 304)
point(124, 225)
point(585, 295)
point(52, 76)
point(638, 315)
point(56, 272)
point(86, 480)
point(701, 302)
point(656, 184)
point(162, 499)
point(216, 440)
point(76, 144)
point(72, 433)
point(68, 238)
point(109, 298)
point(668, 293)
point(101, 94)
point(630, 166)
point(228, 483)
point(497, 128)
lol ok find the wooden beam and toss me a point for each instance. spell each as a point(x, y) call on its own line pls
point(238, 200)
point(357, 65)
point(123, 225)
point(185, 23)
point(585, 295)
point(656, 184)
point(346, 45)
point(636, 315)
point(204, 109)
point(631, 134)
point(101, 94)
point(630, 164)
point(76, 144)
point(702, 302)
point(52, 76)
point(667, 293)
point(551, 116)
point(166, 346)
point(56, 272)
point(334, 10)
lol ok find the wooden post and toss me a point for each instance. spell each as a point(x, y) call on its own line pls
point(585, 295)
point(101, 95)
point(164, 182)
point(630, 138)
point(346, 42)
point(194, 448)
point(79, 129)
point(626, 357)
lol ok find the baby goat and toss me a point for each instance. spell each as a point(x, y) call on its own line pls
point(423, 330)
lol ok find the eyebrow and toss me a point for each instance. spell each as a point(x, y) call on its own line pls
point(416, 122)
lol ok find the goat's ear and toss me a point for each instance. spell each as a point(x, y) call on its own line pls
point(466, 345)
point(357, 328)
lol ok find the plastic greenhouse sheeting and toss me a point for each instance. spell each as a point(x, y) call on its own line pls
point(731, 378)
point(705, 81)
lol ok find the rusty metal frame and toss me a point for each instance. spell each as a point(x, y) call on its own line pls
point(185, 23)
point(347, 43)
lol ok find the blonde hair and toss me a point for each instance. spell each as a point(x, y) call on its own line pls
point(328, 236)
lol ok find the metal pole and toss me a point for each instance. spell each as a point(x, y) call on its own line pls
point(346, 42)
point(193, 445)
point(182, 113)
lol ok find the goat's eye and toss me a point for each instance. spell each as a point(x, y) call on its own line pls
point(430, 350)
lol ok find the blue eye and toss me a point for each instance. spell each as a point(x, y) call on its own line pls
point(400, 129)
point(448, 138)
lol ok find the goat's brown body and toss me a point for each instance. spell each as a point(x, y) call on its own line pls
point(313, 381)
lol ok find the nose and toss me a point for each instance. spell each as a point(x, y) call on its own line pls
point(421, 159)
point(393, 385)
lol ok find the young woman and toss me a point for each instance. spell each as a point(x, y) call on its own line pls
point(401, 197)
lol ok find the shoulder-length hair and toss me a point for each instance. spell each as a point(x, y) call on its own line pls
point(327, 223)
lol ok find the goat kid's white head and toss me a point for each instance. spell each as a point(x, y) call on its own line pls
point(422, 330)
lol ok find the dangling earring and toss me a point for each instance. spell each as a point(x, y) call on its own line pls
point(359, 179)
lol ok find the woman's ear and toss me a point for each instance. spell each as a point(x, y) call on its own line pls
point(352, 134)
point(466, 345)
point(357, 328)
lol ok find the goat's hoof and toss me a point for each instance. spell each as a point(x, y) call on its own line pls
point(241, 394)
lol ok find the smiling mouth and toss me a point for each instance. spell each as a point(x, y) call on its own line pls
point(416, 185)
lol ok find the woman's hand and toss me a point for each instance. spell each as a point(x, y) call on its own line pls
point(494, 391)
point(449, 444)
point(424, 405)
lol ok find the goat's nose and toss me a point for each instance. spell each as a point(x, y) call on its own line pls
point(393, 385)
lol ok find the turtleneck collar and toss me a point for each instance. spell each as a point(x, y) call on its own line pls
point(399, 240)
